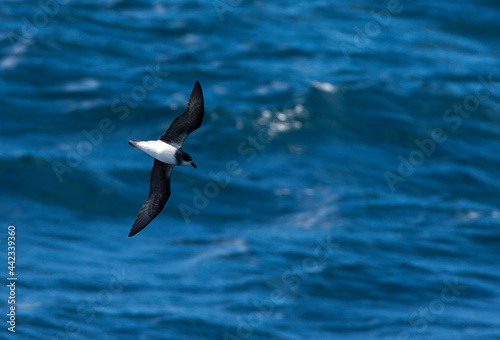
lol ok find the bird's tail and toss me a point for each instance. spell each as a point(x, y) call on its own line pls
point(134, 143)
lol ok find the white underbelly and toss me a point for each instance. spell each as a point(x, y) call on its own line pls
point(160, 150)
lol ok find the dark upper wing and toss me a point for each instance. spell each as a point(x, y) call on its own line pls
point(187, 122)
point(159, 193)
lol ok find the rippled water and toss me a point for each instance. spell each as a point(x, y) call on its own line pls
point(347, 182)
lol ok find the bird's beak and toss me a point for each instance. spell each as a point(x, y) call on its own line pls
point(194, 165)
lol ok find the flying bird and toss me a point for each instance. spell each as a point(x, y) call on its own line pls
point(167, 152)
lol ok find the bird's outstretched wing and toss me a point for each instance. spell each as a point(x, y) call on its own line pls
point(159, 192)
point(187, 122)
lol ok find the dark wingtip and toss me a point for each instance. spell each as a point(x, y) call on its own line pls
point(142, 220)
point(197, 93)
point(196, 98)
point(134, 231)
point(138, 226)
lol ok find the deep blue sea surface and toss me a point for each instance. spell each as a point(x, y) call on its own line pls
point(348, 169)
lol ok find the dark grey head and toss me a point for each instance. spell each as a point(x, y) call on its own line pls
point(183, 158)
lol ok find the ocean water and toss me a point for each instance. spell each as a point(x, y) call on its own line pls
point(347, 183)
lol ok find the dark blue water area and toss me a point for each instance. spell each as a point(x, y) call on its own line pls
point(347, 183)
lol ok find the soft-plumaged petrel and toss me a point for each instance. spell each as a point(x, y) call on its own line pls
point(167, 152)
